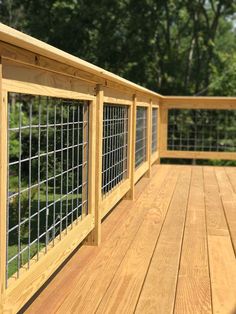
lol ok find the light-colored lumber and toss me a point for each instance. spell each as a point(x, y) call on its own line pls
point(186, 102)
point(221, 254)
point(16, 38)
point(3, 186)
point(197, 155)
point(228, 198)
point(163, 129)
point(132, 139)
point(112, 199)
point(124, 290)
point(223, 274)
point(158, 293)
point(20, 290)
point(95, 236)
point(216, 223)
point(77, 267)
point(88, 277)
point(193, 293)
point(86, 295)
point(140, 171)
point(231, 173)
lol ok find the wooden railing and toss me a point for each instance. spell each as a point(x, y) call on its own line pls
point(74, 140)
point(198, 128)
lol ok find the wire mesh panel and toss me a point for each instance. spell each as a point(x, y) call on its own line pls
point(202, 130)
point(141, 136)
point(47, 140)
point(154, 129)
point(115, 146)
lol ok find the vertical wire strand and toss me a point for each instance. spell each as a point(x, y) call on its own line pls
point(30, 156)
point(62, 146)
point(39, 177)
point(19, 192)
point(54, 170)
point(8, 189)
point(47, 208)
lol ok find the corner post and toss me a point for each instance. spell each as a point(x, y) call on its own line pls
point(162, 129)
point(94, 238)
point(3, 187)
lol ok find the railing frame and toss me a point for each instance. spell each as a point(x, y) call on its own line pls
point(167, 103)
point(30, 66)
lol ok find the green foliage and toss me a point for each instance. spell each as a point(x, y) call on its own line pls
point(175, 47)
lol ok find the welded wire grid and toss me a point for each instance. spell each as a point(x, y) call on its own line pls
point(141, 136)
point(115, 146)
point(154, 129)
point(47, 138)
point(202, 130)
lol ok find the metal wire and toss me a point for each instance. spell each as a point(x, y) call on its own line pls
point(46, 140)
point(115, 146)
point(141, 136)
point(154, 129)
point(202, 130)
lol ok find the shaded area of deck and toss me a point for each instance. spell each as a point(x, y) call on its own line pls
point(172, 249)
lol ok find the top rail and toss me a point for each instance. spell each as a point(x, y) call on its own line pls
point(21, 40)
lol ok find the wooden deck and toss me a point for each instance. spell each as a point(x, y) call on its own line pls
point(170, 250)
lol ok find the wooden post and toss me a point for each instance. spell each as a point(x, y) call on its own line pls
point(94, 238)
point(162, 129)
point(131, 148)
point(158, 161)
point(3, 187)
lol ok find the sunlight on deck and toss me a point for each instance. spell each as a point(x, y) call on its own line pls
point(172, 249)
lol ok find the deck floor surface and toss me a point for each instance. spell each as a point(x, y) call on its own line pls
point(171, 250)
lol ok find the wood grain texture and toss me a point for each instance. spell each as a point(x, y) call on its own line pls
point(158, 293)
point(124, 290)
point(231, 173)
point(87, 296)
point(193, 291)
point(95, 236)
point(186, 102)
point(82, 291)
point(228, 198)
point(186, 266)
point(223, 274)
point(197, 155)
point(20, 290)
point(221, 255)
point(77, 267)
point(216, 223)
point(23, 41)
point(3, 186)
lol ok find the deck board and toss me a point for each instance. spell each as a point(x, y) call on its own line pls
point(165, 263)
point(171, 250)
point(193, 291)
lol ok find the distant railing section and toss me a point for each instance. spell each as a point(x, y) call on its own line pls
point(198, 128)
point(202, 130)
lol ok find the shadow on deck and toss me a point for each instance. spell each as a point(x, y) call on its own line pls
point(172, 249)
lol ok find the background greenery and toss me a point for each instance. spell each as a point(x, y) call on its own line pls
point(176, 47)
